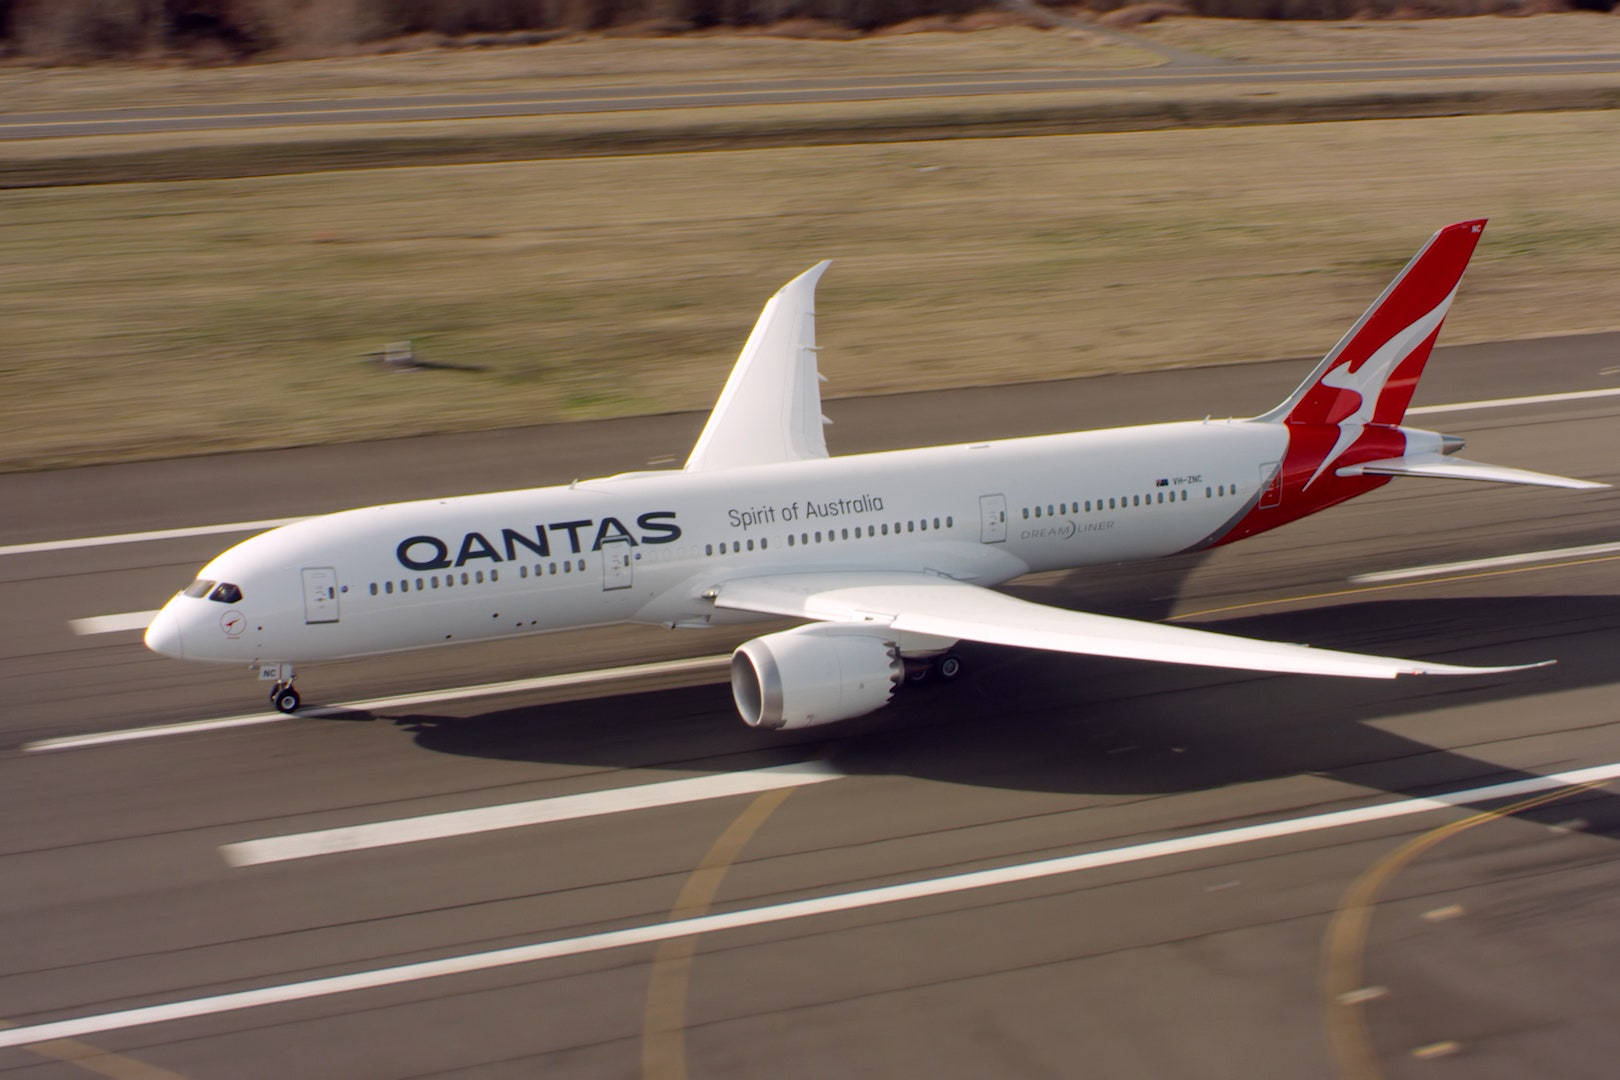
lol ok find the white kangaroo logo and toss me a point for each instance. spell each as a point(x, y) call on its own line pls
point(1369, 380)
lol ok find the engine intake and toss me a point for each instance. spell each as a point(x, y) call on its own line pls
point(813, 675)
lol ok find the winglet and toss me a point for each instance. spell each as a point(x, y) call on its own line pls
point(770, 409)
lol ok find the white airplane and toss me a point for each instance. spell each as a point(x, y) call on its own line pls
point(890, 558)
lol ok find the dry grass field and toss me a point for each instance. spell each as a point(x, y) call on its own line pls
point(152, 319)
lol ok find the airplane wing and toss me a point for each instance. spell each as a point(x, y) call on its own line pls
point(939, 607)
point(770, 409)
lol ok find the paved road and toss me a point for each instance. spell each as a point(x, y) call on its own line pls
point(204, 116)
point(1488, 952)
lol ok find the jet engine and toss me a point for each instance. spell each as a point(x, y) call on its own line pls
point(813, 675)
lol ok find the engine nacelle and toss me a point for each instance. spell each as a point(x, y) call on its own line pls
point(813, 675)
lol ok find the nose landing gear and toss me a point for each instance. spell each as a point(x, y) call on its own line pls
point(283, 698)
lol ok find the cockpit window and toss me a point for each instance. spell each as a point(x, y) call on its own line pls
point(226, 593)
point(199, 587)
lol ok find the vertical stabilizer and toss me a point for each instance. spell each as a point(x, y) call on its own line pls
point(770, 409)
point(1371, 373)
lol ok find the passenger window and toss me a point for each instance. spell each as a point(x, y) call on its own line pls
point(434, 580)
point(404, 585)
point(419, 585)
point(464, 577)
point(765, 542)
point(949, 521)
point(551, 568)
point(1026, 513)
point(845, 535)
point(750, 545)
point(1049, 510)
point(804, 537)
point(911, 526)
point(1088, 506)
point(568, 568)
point(582, 564)
point(790, 539)
point(936, 523)
point(388, 587)
point(373, 588)
point(449, 581)
point(479, 577)
point(494, 575)
point(523, 571)
point(885, 528)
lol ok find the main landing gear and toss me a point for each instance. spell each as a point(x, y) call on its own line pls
point(283, 698)
point(945, 667)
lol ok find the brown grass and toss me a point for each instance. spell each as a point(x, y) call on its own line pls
point(154, 319)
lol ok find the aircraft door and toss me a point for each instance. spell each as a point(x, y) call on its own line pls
point(320, 594)
point(1271, 484)
point(618, 566)
point(992, 519)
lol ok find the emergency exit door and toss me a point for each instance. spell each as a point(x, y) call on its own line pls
point(618, 566)
point(992, 519)
point(320, 594)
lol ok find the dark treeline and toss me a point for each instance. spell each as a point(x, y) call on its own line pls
point(90, 29)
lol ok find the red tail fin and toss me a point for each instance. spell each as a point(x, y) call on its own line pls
point(1350, 409)
point(1374, 368)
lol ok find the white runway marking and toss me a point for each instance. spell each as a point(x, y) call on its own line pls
point(271, 523)
point(1502, 403)
point(1434, 569)
point(535, 812)
point(775, 913)
point(142, 537)
point(516, 686)
point(112, 624)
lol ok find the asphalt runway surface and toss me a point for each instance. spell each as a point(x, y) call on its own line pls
point(1088, 867)
point(594, 99)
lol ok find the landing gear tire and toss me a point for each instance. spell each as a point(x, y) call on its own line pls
point(285, 699)
point(918, 671)
point(948, 667)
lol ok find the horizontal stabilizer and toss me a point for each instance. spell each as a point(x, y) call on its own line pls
point(1443, 467)
point(939, 607)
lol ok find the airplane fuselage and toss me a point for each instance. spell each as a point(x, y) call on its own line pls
point(646, 547)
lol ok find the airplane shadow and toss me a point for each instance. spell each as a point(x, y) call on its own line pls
point(1031, 721)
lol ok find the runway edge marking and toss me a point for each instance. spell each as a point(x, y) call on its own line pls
point(1434, 569)
point(271, 523)
point(775, 913)
point(533, 812)
point(515, 686)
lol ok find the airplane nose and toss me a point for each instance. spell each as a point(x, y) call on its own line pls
point(163, 635)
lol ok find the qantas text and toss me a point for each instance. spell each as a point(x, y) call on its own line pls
point(586, 534)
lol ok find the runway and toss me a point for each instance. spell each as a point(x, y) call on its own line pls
point(1053, 867)
point(205, 116)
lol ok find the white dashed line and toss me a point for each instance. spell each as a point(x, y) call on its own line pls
point(777, 913)
point(111, 624)
point(1469, 565)
point(535, 812)
point(516, 686)
point(142, 537)
point(1503, 403)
